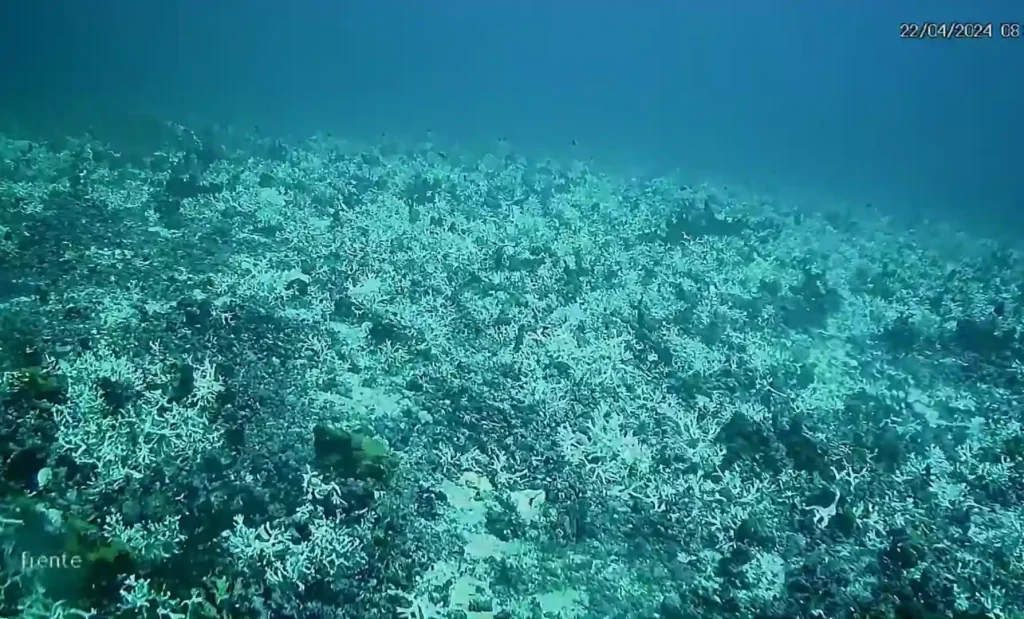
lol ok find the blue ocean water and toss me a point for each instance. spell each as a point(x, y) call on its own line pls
point(822, 101)
point(256, 377)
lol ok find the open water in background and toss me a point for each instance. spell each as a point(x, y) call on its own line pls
point(816, 99)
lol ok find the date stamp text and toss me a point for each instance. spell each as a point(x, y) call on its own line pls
point(947, 30)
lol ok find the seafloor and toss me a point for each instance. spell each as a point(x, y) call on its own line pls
point(247, 377)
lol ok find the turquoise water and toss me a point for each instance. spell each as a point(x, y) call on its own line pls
point(522, 310)
point(818, 101)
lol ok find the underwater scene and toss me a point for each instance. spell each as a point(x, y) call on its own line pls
point(428, 309)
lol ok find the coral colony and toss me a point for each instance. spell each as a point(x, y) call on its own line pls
point(254, 378)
